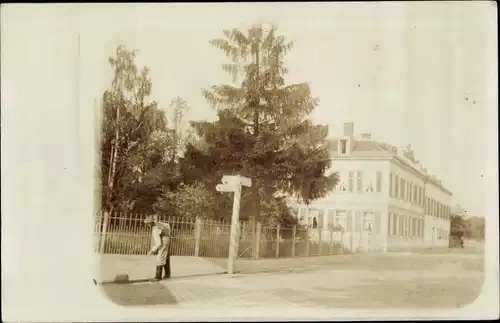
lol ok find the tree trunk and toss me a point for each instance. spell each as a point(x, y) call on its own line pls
point(113, 159)
point(256, 126)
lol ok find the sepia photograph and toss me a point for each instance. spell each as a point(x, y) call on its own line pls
point(319, 156)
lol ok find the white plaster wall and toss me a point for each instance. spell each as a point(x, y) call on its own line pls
point(408, 174)
point(438, 194)
point(404, 207)
point(431, 236)
point(357, 201)
point(369, 167)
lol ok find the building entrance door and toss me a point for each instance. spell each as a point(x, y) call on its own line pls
point(367, 240)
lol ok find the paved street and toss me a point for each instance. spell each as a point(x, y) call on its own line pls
point(360, 281)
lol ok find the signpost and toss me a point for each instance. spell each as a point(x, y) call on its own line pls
point(234, 184)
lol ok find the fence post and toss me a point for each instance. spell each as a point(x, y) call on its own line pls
point(104, 231)
point(320, 240)
point(278, 240)
point(331, 242)
point(308, 231)
point(197, 234)
point(294, 233)
point(257, 241)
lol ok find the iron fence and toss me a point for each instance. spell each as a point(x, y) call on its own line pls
point(128, 235)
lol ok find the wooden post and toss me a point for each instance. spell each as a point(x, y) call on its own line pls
point(104, 231)
point(257, 241)
point(197, 234)
point(320, 240)
point(331, 242)
point(308, 231)
point(234, 235)
point(294, 234)
point(278, 227)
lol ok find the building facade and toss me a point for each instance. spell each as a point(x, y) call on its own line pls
point(384, 201)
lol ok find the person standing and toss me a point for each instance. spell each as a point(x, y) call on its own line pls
point(161, 248)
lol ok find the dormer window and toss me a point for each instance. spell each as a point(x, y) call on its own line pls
point(343, 146)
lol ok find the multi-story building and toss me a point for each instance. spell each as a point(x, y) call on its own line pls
point(384, 200)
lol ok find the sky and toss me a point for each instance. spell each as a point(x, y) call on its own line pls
point(408, 73)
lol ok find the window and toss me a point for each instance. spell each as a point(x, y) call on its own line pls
point(303, 215)
point(350, 182)
point(359, 182)
point(341, 219)
point(402, 225)
point(390, 185)
point(410, 191)
point(321, 219)
point(348, 219)
point(368, 218)
point(379, 182)
point(407, 226)
point(343, 146)
point(330, 219)
point(402, 193)
point(394, 223)
point(415, 194)
point(396, 186)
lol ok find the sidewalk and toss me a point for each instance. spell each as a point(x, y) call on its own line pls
point(141, 268)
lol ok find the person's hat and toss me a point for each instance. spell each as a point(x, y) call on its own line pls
point(151, 219)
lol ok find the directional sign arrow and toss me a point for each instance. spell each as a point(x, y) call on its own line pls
point(225, 188)
point(245, 181)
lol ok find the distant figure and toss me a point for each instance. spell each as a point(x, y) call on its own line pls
point(315, 223)
point(161, 236)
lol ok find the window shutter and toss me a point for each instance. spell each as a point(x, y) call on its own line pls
point(377, 223)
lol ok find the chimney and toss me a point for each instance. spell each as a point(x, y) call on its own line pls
point(349, 129)
point(366, 136)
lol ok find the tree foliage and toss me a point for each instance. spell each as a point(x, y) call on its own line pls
point(134, 140)
point(192, 201)
point(263, 129)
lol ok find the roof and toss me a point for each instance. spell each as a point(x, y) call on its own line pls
point(371, 148)
point(362, 148)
